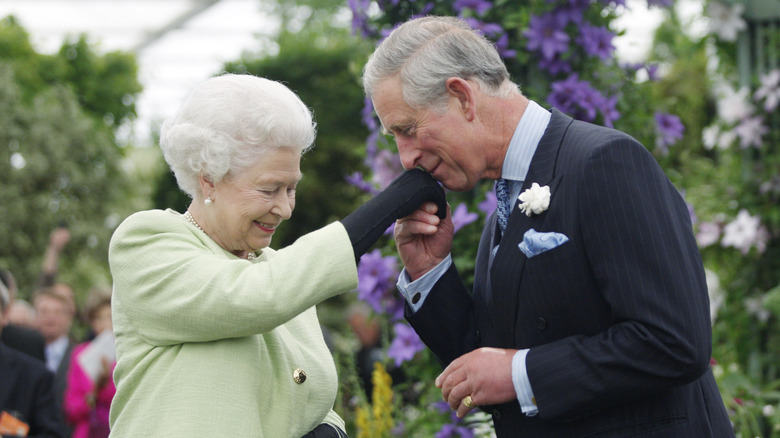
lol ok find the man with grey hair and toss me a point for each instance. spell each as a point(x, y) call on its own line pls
point(27, 404)
point(589, 314)
point(17, 336)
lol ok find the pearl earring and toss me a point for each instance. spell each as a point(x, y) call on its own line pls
point(208, 201)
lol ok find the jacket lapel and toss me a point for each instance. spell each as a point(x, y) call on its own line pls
point(507, 268)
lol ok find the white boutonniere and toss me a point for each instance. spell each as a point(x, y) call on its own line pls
point(534, 200)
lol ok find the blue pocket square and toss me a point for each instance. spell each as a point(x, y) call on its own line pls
point(535, 243)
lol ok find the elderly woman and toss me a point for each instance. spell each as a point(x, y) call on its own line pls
point(216, 333)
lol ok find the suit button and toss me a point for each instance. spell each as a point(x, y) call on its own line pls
point(416, 298)
point(496, 414)
point(541, 323)
point(299, 375)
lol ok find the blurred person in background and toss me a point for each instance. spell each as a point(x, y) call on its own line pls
point(27, 402)
point(21, 313)
point(90, 388)
point(19, 332)
point(217, 333)
point(54, 318)
point(58, 239)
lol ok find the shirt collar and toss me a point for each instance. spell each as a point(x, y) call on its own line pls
point(55, 351)
point(523, 145)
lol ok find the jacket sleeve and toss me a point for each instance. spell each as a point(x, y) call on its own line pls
point(173, 284)
point(445, 322)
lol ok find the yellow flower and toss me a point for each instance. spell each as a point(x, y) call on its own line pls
point(363, 426)
point(376, 420)
point(382, 399)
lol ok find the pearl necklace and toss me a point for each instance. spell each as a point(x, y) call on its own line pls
point(187, 215)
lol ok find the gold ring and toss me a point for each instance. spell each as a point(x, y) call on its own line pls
point(468, 402)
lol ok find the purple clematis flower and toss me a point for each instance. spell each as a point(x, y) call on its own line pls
point(660, 3)
point(488, 206)
point(405, 344)
point(386, 166)
point(582, 101)
point(596, 41)
point(546, 34)
point(555, 65)
point(356, 179)
point(652, 72)
point(360, 20)
point(478, 6)
point(376, 282)
point(367, 114)
point(490, 30)
point(495, 32)
point(502, 45)
point(455, 427)
point(451, 430)
point(461, 216)
point(670, 130)
point(609, 111)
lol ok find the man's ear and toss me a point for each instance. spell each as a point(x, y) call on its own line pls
point(465, 93)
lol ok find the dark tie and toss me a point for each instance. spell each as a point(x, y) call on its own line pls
point(504, 206)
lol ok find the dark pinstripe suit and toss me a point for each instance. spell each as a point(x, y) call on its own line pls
point(616, 319)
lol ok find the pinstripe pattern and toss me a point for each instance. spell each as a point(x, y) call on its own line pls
point(616, 319)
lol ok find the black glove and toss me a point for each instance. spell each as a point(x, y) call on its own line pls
point(403, 196)
point(326, 430)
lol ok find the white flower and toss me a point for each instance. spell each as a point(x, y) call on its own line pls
point(734, 106)
point(534, 200)
point(769, 90)
point(709, 233)
point(750, 131)
point(727, 138)
point(726, 21)
point(755, 306)
point(710, 136)
point(768, 410)
point(745, 232)
point(717, 296)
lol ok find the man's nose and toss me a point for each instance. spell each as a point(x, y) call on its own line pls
point(410, 157)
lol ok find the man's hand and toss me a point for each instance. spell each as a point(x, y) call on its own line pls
point(485, 374)
point(423, 240)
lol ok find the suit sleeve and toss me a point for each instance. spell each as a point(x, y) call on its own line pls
point(639, 242)
point(46, 421)
point(445, 322)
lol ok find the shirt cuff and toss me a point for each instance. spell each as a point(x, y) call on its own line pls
point(416, 291)
point(525, 395)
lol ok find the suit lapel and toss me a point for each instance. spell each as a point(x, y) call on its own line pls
point(507, 267)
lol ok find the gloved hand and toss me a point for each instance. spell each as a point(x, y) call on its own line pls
point(326, 430)
point(403, 196)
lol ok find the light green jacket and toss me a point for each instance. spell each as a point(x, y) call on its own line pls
point(207, 343)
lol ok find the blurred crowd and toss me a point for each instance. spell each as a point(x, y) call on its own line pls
point(53, 383)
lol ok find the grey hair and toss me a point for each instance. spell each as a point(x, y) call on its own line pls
point(427, 51)
point(227, 123)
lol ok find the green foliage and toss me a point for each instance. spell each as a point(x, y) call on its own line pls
point(105, 85)
point(59, 162)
